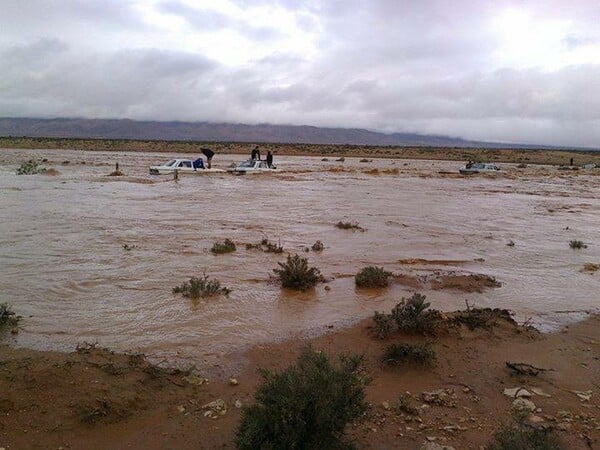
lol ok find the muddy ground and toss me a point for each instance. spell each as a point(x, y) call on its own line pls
point(94, 398)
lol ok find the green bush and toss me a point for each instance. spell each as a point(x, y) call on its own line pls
point(519, 436)
point(383, 324)
point(296, 274)
point(201, 287)
point(371, 277)
point(411, 315)
point(306, 406)
point(30, 168)
point(399, 354)
point(318, 246)
point(577, 244)
point(227, 246)
point(266, 246)
point(7, 316)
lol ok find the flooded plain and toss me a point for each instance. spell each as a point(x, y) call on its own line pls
point(64, 268)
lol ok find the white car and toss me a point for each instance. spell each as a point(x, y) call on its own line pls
point(252, 166)
point(470, 169)
point(183, 166)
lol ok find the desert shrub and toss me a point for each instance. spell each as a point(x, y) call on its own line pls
point(318, 246)
point(577, 244)
point(227, 246)
point(383, 324)
point(349, 226)
point(399, 354)
point(8, 316)
point(201, 287)
point(306, 406)
point(30, 168)
point(296, 274)
point(372, 276)
point(519, 436)
point(412, 315)
point(266, 246)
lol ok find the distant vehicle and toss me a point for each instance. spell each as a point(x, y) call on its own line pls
point(183, 166)
point(252, 166)
point(473, 168)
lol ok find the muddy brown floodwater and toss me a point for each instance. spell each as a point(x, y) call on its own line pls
point(63, 266)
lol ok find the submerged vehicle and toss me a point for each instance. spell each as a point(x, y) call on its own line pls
point(183, 166)
point(252, 166)
point(472, 168)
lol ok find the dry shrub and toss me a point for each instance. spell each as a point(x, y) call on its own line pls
point(296, 274)
point(228, 246)
point(201, 287)
point(399, 354)
point(412, 315)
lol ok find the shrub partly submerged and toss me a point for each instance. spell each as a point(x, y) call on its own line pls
point(306, 406)
point(371, 277)
point(200, 287)
point(349, 226)
point(8, 316)
point(296, 274)
point(30, 168)
point(577, 244)
point(227, 246)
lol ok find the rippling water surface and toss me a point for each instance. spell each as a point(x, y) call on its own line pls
point(63, 266)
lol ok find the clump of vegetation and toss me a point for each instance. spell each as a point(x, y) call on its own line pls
point(349, 226)
point(306, 406)
point(30, 168)
point(399, 354)
point(383, 324)
point(371, 277)
point(318, 246)
point(365, 160)
point(266, 246)
point(577, 244)
point(296, 274)
point(8, 316)
point(412, 315)
point(520, 436)
point(201, 287)
point(474, 318)
point(128, 247)
point(228, 246)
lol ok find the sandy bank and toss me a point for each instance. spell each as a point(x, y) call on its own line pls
point(94, 398)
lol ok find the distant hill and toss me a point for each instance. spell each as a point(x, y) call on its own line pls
point(225, 132)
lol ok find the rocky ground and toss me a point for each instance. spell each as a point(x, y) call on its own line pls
point(94, 398)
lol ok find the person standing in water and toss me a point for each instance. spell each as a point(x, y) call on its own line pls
point(270, 159)
point(255, 154)
point(209, 155)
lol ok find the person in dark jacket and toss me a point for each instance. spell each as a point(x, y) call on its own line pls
point(209, 155)
point(270, 159)
point(255, 154)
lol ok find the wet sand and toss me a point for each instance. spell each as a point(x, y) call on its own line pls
point(97, 399)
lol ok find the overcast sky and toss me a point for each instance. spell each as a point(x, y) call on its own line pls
point(513, 71)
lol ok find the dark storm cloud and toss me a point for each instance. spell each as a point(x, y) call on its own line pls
point(431, 66)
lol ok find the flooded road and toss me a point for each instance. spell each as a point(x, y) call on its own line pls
point(64, 269)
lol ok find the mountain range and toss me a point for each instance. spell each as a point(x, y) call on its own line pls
point(227, 132)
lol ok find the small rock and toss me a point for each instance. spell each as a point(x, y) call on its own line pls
point(327, 288)
point(215, 408)
point(584, 396)
point(517, 392)
point(195, 380)
point(540, 392)
point(181, 408)
point(563, 426)
point(466, 390)
point(435, 446)
point(536, 419)
point(386, 405)
point(238, 404)
point(233, 382)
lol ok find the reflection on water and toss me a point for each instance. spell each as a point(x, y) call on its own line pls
point(63, 266)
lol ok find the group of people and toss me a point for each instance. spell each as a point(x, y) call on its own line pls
point(255, 156)
point(208, 153)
